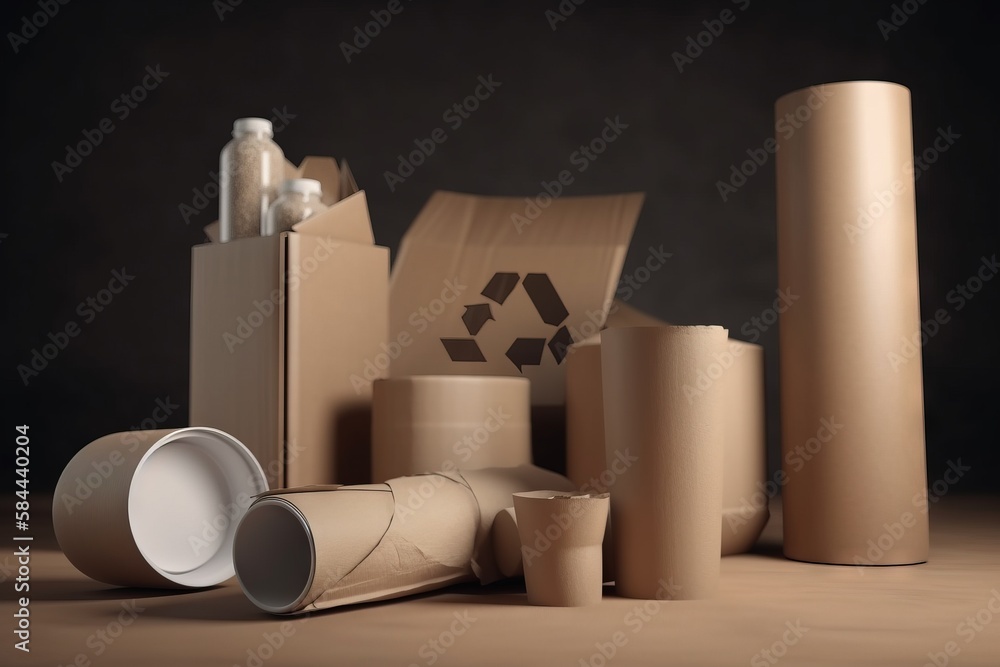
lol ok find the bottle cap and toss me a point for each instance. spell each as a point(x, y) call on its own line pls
point(251, 126)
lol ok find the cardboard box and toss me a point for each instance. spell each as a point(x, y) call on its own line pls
point(280, 326)
point(503, 286)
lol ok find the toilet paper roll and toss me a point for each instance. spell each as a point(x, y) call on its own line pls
point(448, 422)
point(378, 541)
point(561, 537)
point(847, 261)
point(156, 508)
point(666, 507)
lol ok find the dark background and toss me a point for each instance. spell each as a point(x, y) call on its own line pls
point(120, 207)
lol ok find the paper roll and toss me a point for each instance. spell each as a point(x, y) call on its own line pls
point(745, 493)
point(561, 537)
point(666, 507)
point(448, 422)
point(507, 544)
point(376, 542)
point(156, 509)
point(852, 418)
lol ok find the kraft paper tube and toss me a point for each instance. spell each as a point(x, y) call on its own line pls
point(448, 422)
point(507, 544)
point(156, 509)
point(666, 507)
point(301, 550)
point(745, 493)
point(852, 417)
point(561, 537)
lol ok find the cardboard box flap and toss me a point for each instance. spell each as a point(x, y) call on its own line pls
point(326, 171)
point(485, 286)
point(466, 220)
point(346, 220)
point(348, 186)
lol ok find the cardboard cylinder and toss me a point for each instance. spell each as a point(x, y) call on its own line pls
point(156, 508)
point(507, 544)
point(852, 416)
point(377, 541)
point(661, 402)
point(561, 537)
point(449, 422)
point(745, 489)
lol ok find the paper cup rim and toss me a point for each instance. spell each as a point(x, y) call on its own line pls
point(453, 379)
point(221, 561)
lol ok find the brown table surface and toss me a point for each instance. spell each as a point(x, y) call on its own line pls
point(841, 616)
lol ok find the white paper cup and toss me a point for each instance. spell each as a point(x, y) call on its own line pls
point(432, 423)
point(561, 537)
point(156, 508)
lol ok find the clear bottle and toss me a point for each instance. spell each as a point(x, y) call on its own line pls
point(250, 168)
point(300, 199)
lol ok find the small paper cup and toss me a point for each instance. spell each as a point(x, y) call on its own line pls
point(561, 543)
point(157, 508)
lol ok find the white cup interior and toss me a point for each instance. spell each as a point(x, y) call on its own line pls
point(187, 496)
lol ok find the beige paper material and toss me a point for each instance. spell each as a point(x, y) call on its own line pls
point(507, 544)
point(852, 416)
point(155, 508)
point(561, 537)
point(379, 541)
point(543, 275)
point(287, 333)
point(448, 422)
point(744, 501)
point(666, 506)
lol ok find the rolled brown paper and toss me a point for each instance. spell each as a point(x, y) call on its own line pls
point(156, 509)
point(507, 544)
point(745, 488)
point(852, 417)
point(377, 541)
point(561, 537)
point(745, 491)
point(448, 422)
point(666, 507)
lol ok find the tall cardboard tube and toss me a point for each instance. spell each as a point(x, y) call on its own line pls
point(851, 409)
point(661, 402)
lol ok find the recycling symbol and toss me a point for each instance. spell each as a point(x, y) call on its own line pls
point(523, 351)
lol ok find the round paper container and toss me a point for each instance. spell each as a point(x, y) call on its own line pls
point(430, 423)
point(156, 508)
